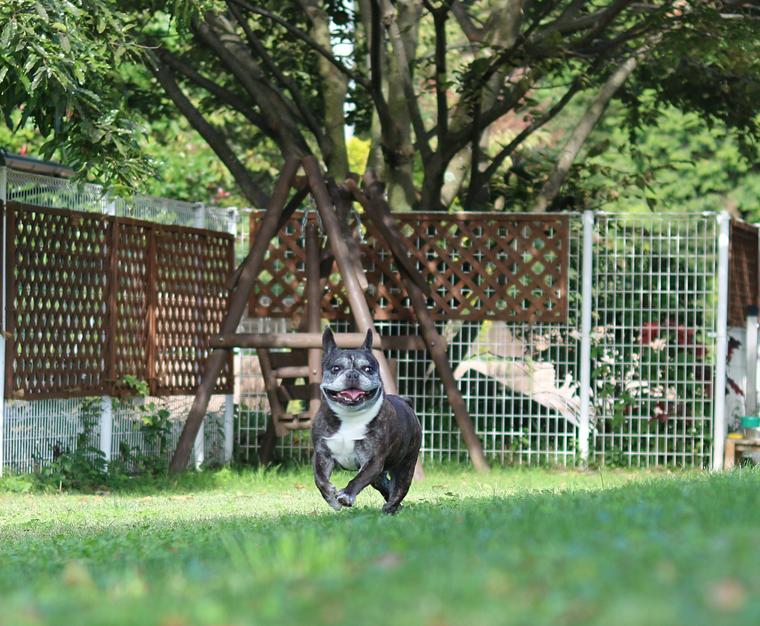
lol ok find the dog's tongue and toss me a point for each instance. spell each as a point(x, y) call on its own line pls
point(351, 394)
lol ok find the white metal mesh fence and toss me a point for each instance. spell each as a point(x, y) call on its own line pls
point(653, 349)
point(652, 358)
point(33, 432)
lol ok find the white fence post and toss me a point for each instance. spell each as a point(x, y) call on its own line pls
point(3, 198)
point(721, 343)
point(584, 429)
point(106, 403)
point(229, 399)
point(106, 426)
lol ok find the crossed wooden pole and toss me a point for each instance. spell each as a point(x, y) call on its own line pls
point(278, 211)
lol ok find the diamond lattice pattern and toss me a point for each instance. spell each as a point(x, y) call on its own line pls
point(479, 266)
point(95, 298)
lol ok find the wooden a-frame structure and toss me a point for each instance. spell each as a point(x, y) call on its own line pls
point(329, 203)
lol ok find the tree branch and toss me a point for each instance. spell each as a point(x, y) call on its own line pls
point(376, 67)
point(210, 134)
point(357, 78)
point(271, 103)
point(474, 34)
point(225, 96)
point(284, 80)
point(440, 16)
point(497, 161)
point(580, 133)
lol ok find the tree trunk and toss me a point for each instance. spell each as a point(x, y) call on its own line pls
point(392, 150)
point(334, 86)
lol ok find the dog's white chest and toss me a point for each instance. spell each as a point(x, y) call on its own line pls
point(343, 444)
point(353, 428)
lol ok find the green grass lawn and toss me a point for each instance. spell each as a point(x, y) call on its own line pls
point(514, 547)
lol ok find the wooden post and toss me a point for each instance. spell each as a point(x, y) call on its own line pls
point(238, 303)
point(9, 295)
point(356, 299)
point(313, 310)
point(113, 308)
point(385, 224)
point(151, 353)
point(266, 450)
point(377, 210)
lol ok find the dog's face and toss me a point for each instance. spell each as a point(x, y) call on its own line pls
point(350, 378)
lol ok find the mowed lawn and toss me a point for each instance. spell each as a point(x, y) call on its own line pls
point(513, 547)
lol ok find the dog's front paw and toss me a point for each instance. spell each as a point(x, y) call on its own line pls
point(346, 499)
point(333, 502)
point(391, 510)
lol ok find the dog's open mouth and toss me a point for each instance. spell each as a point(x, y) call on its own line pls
point(351, 396)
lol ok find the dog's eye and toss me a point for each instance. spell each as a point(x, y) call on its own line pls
point(335, 369)
point(368, 369)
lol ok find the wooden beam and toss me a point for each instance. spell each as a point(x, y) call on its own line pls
point(435, 343)
point(313, 315)
point(343, 202)
point(287, 213)
point(387, 226)
point(292, 371)
point(354, 293)
point(238, 302)
point(313, 340)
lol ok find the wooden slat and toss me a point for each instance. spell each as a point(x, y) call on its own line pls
point(743, 271)
point(313, 340)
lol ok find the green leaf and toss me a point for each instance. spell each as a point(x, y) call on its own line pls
point(7, 34)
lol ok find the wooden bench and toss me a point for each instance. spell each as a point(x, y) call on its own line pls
point(735, 449)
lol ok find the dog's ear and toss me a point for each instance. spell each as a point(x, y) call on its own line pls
point(367, 345)
point(328, 342)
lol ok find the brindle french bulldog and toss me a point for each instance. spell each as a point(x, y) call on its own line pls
point(360, 427)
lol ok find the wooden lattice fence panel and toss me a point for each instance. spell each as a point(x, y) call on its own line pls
point(743, 271)
point(191, 269)
point(129, 306)
point(479, 266)
point(57, 286)
point(93, 298)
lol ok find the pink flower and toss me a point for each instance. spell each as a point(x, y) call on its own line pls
point(649, 332)
point(685, 336)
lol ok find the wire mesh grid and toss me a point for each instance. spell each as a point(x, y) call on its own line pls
point(653, 345)
point(35, 431)
point(51, 192)
point(519, 382)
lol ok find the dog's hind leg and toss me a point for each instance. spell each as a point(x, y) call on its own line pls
point(401, 480)
point(383, 484)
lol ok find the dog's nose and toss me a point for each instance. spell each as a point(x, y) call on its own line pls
point(352, 375)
